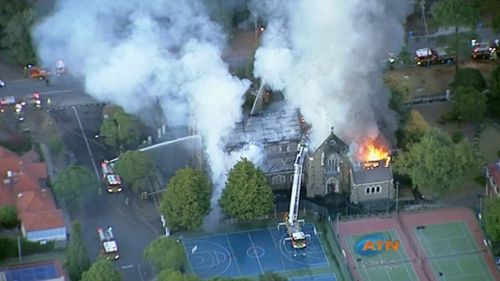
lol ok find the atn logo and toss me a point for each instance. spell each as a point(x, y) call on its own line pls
point(375, 244)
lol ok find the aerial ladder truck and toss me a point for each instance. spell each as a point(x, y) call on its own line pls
point(295, 234)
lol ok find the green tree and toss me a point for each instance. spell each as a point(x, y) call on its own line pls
point(16, 37)
point(469, 77)
point(490, 9)
point(8, 9)
point(102, 270)
point(494, 94)
point(456, 13)
point(413, 128)
point(271, 276)
point(492, 218)
point(165, 253)
point(435, 164)
point(469, 104)
point(187, 199)
point(173, 275)
point(136, 168)
point(8, 217)
point(77, 257)
point(247, 194)
point(120, 130)
point(73, 183)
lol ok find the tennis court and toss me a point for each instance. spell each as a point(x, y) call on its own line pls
point(385, 266)
point(251, 253)
point(32, 273)
point(453, 252)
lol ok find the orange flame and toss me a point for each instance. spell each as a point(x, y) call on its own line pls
point(370, 152)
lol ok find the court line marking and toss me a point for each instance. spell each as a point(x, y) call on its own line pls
point(232, 253)
point(481, 265)
point(255, 251)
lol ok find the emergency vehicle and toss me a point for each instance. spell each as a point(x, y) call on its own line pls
point(109, 247)
point(60, 68)
point(5, 102)
point(112, 181)
point(428, 56)
point(485, 50)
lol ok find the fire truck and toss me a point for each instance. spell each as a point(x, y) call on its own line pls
point(111, 180)
point(109, 247)
point(60, 68)
point(37, 73)
point(484, 50)
point(293, 225)
point(428, 56)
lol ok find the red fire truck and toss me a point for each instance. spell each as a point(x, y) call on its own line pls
point(109, 247)
point(112, 182)
point(428, 56)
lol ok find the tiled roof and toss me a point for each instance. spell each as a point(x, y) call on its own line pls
point(36, 207)
point(42, 220)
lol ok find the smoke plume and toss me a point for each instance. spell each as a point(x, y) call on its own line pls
point(328, 58)
point(134, 53)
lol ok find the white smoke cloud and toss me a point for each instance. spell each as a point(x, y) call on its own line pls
point(328, 57)
point(134, 53)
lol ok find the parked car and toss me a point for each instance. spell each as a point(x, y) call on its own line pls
point(2, 84)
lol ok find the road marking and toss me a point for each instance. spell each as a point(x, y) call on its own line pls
point(127, 266)
point(56, 92)
point(86, 143)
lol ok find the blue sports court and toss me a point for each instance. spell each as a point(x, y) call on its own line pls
point(251, 253)
point(33, 273)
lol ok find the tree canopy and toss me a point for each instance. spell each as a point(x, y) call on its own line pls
point(8, 216)
point(120, 130)
point(165, 253)
point(174, 275)
point(102, 270)
point(435, 164)
point(187, 199)
point(413, 128)
point(246, 195)
point(469, 77)
point(77, 257)
point(73, 182)
point(494, 93)
point(469, 104)
point(492, 218)
point(456, 13)
point(16, 20)
point(136, 168)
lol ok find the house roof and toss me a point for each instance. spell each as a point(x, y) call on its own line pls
point(21, 187)
point(35, 200)
point(494, 170)
point(380, 172)
point(33, 221)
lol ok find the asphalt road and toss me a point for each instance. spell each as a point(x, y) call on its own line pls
point(132, 229)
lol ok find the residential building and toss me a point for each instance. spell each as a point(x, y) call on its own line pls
point(23, 186)
point(327, 168)
point(493, 179)
point(372, 183)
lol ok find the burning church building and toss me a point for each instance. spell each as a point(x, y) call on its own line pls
point(371, 178)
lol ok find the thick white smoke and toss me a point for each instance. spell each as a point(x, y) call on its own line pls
point(134, 53)
point(328, 57)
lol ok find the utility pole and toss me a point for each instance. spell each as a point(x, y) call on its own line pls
point(397, 197)
point(424, 17)
point(19, 249)
point(337, 228)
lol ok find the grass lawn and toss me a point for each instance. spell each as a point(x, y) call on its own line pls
point(61, 255)
point(489, 143)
